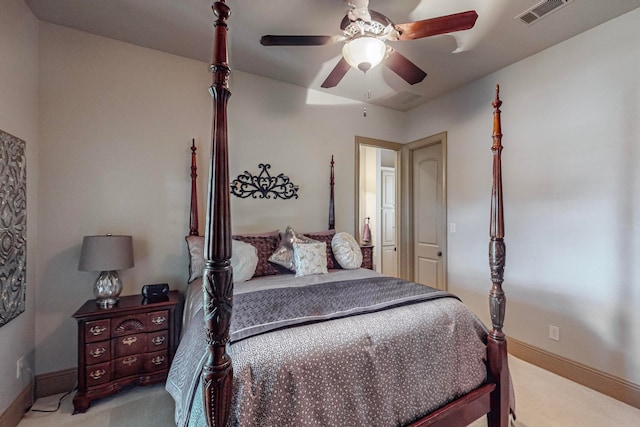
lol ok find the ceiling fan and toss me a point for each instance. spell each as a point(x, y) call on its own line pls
point(365, 33)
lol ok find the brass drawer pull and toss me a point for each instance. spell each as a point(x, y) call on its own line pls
point(130, 360)
point(158, 340)
point(96, 375)
point(129, 340)
point(158, 360)
point(158, 320)
point(97, 352)
point(97, 330)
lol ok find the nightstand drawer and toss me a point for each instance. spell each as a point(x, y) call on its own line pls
point(157, 340)
point(98, 374)
point(157, 361)
point(128, 325)
point(129, 344)
point(128, 365)
point(97, 330)
point(97, 352)
point(158, 320)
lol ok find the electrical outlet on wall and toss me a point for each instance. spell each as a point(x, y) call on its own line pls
point(554, 333)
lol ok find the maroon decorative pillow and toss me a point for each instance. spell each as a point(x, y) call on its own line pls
point(266, 244)
point(326, 237)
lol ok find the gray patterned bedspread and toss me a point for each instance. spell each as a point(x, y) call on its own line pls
point(384, 368)
point(258, 312)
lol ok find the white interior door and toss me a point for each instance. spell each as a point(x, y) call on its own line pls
point(429, 216)
point(389, 259)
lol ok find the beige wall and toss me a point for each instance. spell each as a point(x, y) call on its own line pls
point(297, 131)
point(116, 124)
point(571, 124)
point(19, 117)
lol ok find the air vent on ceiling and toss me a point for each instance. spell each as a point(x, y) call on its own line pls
point(540, 10)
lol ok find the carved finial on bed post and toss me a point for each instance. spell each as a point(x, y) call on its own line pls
point(193, 216)
point(497, 249)
point(217, 373)
point(332, 211)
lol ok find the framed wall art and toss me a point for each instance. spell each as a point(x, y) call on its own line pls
point(13, 226)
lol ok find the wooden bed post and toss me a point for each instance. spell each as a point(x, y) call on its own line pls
point(193, 217)
point(332, 211)
point(496, 341)
point(217, 373)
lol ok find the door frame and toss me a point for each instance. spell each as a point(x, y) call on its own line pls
point(407, 266)
point(362, 141)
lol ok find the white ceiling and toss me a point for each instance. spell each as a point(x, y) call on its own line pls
point(184, 27)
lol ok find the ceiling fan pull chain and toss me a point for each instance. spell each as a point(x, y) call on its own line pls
point(367, 86)
point(368, 95)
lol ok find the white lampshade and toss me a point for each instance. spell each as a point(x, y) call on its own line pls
point(364, 53)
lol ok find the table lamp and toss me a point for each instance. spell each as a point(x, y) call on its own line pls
point(106, 254)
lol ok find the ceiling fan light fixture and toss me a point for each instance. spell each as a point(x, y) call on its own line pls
point(364, 53)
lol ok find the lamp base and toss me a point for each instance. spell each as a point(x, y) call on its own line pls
point(107, 302)
point(107, 289)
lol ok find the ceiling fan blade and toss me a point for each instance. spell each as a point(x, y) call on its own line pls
point(336, 74)
point(406, 69)
point(441, 25)
point(271, 40)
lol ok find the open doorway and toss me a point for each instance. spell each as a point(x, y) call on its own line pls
point(378, 201)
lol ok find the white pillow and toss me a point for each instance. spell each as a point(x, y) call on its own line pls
point(244, 259)
point(346, 250)
point(195, 244)
point(310, 258)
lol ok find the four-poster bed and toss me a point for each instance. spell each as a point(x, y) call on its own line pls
point(484, 386)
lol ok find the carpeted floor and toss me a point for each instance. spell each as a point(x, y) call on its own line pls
point(543, 400)
point(149, 406)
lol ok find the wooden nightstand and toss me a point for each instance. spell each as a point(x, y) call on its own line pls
point(130, 343)
point(367, 256)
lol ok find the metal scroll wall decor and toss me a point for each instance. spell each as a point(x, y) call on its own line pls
point(13, 226)
point(263, 185)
